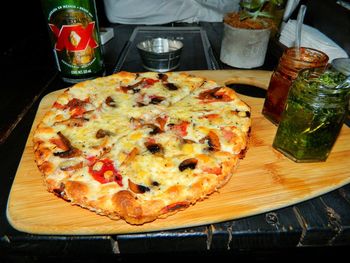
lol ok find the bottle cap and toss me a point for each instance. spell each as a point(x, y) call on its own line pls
point(342, 65)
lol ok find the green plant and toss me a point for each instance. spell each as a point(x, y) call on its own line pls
point(257, 8)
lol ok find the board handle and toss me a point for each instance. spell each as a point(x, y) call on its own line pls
point(258, 78)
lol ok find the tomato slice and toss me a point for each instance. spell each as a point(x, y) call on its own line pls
point(103, 171)
point(150, 82)
point(181, 128)
point(58, 106)
point(212, 170)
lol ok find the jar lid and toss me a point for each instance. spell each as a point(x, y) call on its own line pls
point(342, 65)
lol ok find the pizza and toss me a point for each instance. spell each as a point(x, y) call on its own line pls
point(141, 146)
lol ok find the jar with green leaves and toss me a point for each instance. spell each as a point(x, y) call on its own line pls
point(314, 114)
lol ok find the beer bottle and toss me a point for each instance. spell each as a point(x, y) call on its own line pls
point(74, 32)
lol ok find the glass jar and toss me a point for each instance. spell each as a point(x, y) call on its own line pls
point(291, 62)
point(343, 66)
point(314, 114)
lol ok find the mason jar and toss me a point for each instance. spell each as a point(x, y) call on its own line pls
point(291, 62)
point(314, 114)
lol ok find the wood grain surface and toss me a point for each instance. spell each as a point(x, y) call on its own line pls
point(264, 180)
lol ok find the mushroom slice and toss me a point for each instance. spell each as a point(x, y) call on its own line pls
point(190, 163)
point(154, 148)
point(101, 133)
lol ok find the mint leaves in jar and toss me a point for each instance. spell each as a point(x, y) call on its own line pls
point(313, 116)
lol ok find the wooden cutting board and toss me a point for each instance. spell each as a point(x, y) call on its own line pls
point(264, 180)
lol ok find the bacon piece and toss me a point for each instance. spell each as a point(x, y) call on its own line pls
point(73, 103)
point(135, 88)
point(110, 102)
point(214, 95)
point(166, 84)
point(66, 144)
point(242, 153)
point(187, 141)
point(138, 188)
point(211, 116)
point(163, 77)
point(162, 121)
point(171, 86)
point(71, 166)
point(228, 134)
point(64, 140)
point(59, 143)
point(74, 122)
point(213, 141)
point(209, 94)
point(180, 129)
point(75, 106)
point(175, 206)
point(59, 191)
point(155, 128)
point(136, 122)
point(131, 156)
point(212, 170)
point(139, 123)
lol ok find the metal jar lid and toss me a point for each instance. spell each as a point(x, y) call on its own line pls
point(342, 65)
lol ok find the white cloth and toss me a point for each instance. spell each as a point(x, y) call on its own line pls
point(290, 7)
point(151, 12)
point(313, 38)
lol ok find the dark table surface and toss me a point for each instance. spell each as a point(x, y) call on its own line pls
point(318, 227)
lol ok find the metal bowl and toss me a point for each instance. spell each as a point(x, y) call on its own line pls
point(160, 54)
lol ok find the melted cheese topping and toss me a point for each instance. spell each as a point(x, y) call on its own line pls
point(164, 138)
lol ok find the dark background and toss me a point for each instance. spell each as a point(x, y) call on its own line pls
point(27, 66)
point(25, 20)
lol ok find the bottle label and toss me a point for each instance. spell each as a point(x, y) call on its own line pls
point(76, 44)
point(74, 37)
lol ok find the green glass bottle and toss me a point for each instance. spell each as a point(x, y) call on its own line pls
point(74, 33)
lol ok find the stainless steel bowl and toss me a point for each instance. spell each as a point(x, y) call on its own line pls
point(160, 54)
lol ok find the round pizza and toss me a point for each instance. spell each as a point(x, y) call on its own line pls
point(141, 146)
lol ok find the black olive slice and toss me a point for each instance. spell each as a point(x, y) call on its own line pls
point(190, 163)
point(154, 147)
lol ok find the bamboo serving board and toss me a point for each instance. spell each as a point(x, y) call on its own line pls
point(264, 180)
